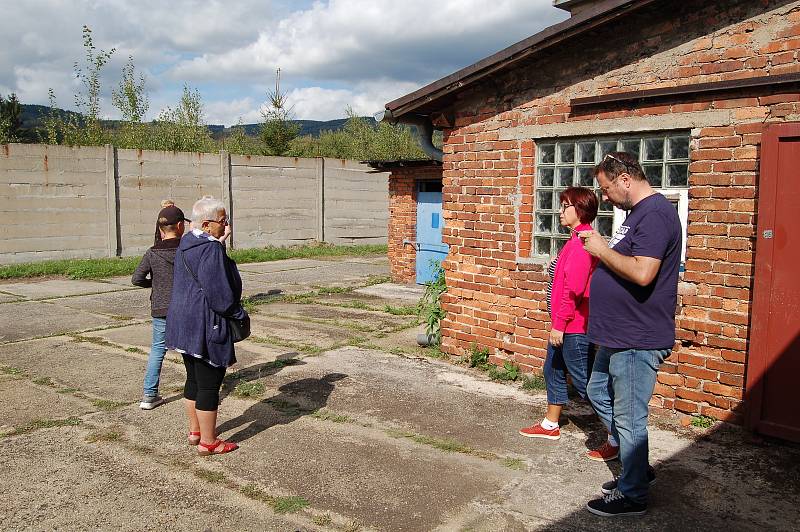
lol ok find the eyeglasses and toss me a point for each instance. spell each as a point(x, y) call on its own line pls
point(224, 221)
point(565, 206)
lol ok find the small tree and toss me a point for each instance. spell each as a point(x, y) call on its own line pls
point(183, 128)
point(130, 98)
point(10, 119)
point(87, 99)
point(278, 129)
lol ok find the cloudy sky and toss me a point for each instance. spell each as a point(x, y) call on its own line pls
point(332, 54)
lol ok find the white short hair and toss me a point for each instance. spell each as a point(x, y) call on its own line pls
point(206, 208)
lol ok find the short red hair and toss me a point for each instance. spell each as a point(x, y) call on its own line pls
point(584, 200)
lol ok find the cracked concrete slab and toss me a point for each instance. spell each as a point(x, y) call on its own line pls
point(104, 372)
point(36, 401)
point(77, 486)
point(357, 319)
point(59, 288)
point(32, 319)
point(131, 304)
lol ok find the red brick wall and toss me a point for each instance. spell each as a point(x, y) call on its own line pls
point(495, 294)
point(403, 219)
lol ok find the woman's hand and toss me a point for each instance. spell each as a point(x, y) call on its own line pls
point(556, 338)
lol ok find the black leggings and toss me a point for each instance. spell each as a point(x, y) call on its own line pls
point(203, 382)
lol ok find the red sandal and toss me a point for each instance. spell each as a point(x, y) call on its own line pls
point(218, 447)
point(193, 438)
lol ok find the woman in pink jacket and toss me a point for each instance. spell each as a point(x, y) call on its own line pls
point(568, 305)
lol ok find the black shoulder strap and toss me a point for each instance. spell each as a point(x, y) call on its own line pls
point(183, 258)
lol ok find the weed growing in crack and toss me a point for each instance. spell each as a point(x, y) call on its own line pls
point(43, 381)
point(327, 415)
point(135, 350)
point(209, 476)
point(104, 436)
point(514, 463)
point(322, 520)
point(10, 370)
point(509, 372)
point(281, 505)
point(533, 382)
point(44, 424)
point(405, 310)
point(479, 357)
point(107, 404)
point(249, 389)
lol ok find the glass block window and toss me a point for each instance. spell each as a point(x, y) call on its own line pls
point(564, 163)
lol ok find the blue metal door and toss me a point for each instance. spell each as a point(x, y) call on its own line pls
point(430, 250)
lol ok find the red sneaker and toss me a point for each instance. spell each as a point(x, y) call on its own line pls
point(537, 431)
point(604, 453)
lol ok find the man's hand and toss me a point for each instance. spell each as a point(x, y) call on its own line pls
point(556, 338)
point(593, 243)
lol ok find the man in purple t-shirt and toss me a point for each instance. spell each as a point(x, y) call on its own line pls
point(632, 321)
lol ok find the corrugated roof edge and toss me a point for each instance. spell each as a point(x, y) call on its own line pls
point(551, 35)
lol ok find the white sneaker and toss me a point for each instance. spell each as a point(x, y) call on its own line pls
point(149, 403)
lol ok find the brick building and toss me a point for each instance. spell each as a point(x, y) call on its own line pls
point(706, 93)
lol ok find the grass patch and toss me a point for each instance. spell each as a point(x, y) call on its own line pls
point(285, 407)
point(274, 340)
point(327, 415)
point(67, 390)
point(72, 268)
point(272, 253)
point(281, 505)
point(10, 370)
point(703, 422)
point(405, 310)
point(287, 505)
point(96, 340)
point(533, 382)
point(104, 436)
point(44, 424)
point(249, 389)
point(450, 446)
point(43, 381)
point(111, 267)
point(122, 318)
point(514, 463)
point(209, 476)
point(107, 404)
point(135, 350)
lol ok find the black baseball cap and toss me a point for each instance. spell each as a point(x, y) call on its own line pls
point(171, 216)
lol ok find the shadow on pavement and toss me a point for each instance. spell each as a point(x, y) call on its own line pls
point(296, 399)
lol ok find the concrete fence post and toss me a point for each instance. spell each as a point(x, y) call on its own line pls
point(113, 237)
point(320, 173)
point(227, 190)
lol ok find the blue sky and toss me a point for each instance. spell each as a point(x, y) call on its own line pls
point(332, 54)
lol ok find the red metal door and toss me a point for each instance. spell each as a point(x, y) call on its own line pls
point(773, 369)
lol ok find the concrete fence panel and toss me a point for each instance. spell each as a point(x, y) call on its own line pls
point(356, 203)
point(54, 202)
point(147, 177)
point(274, 200)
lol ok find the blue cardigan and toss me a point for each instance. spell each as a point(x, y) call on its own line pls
point(196, 319)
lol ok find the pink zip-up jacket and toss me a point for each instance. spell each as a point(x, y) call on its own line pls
point(569, 299)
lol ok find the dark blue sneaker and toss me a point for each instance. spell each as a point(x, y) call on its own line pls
point(611, 485)
point(616, 504)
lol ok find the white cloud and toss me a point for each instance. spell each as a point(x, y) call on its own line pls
point(333, 53)
point(355, 40)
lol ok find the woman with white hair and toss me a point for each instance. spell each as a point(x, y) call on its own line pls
point(206, 294)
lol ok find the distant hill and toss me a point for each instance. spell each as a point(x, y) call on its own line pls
point(32, 116)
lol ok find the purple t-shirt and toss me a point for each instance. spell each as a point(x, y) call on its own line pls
point(622, 314)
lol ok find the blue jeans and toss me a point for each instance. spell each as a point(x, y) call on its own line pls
point(571, 357)
point(620, 388)
point(158, 348)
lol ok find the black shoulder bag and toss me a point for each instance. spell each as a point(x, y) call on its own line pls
point(239, 328)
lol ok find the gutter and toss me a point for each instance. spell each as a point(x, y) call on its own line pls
point(424, 128)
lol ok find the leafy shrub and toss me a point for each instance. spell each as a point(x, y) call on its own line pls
point(430, 307)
